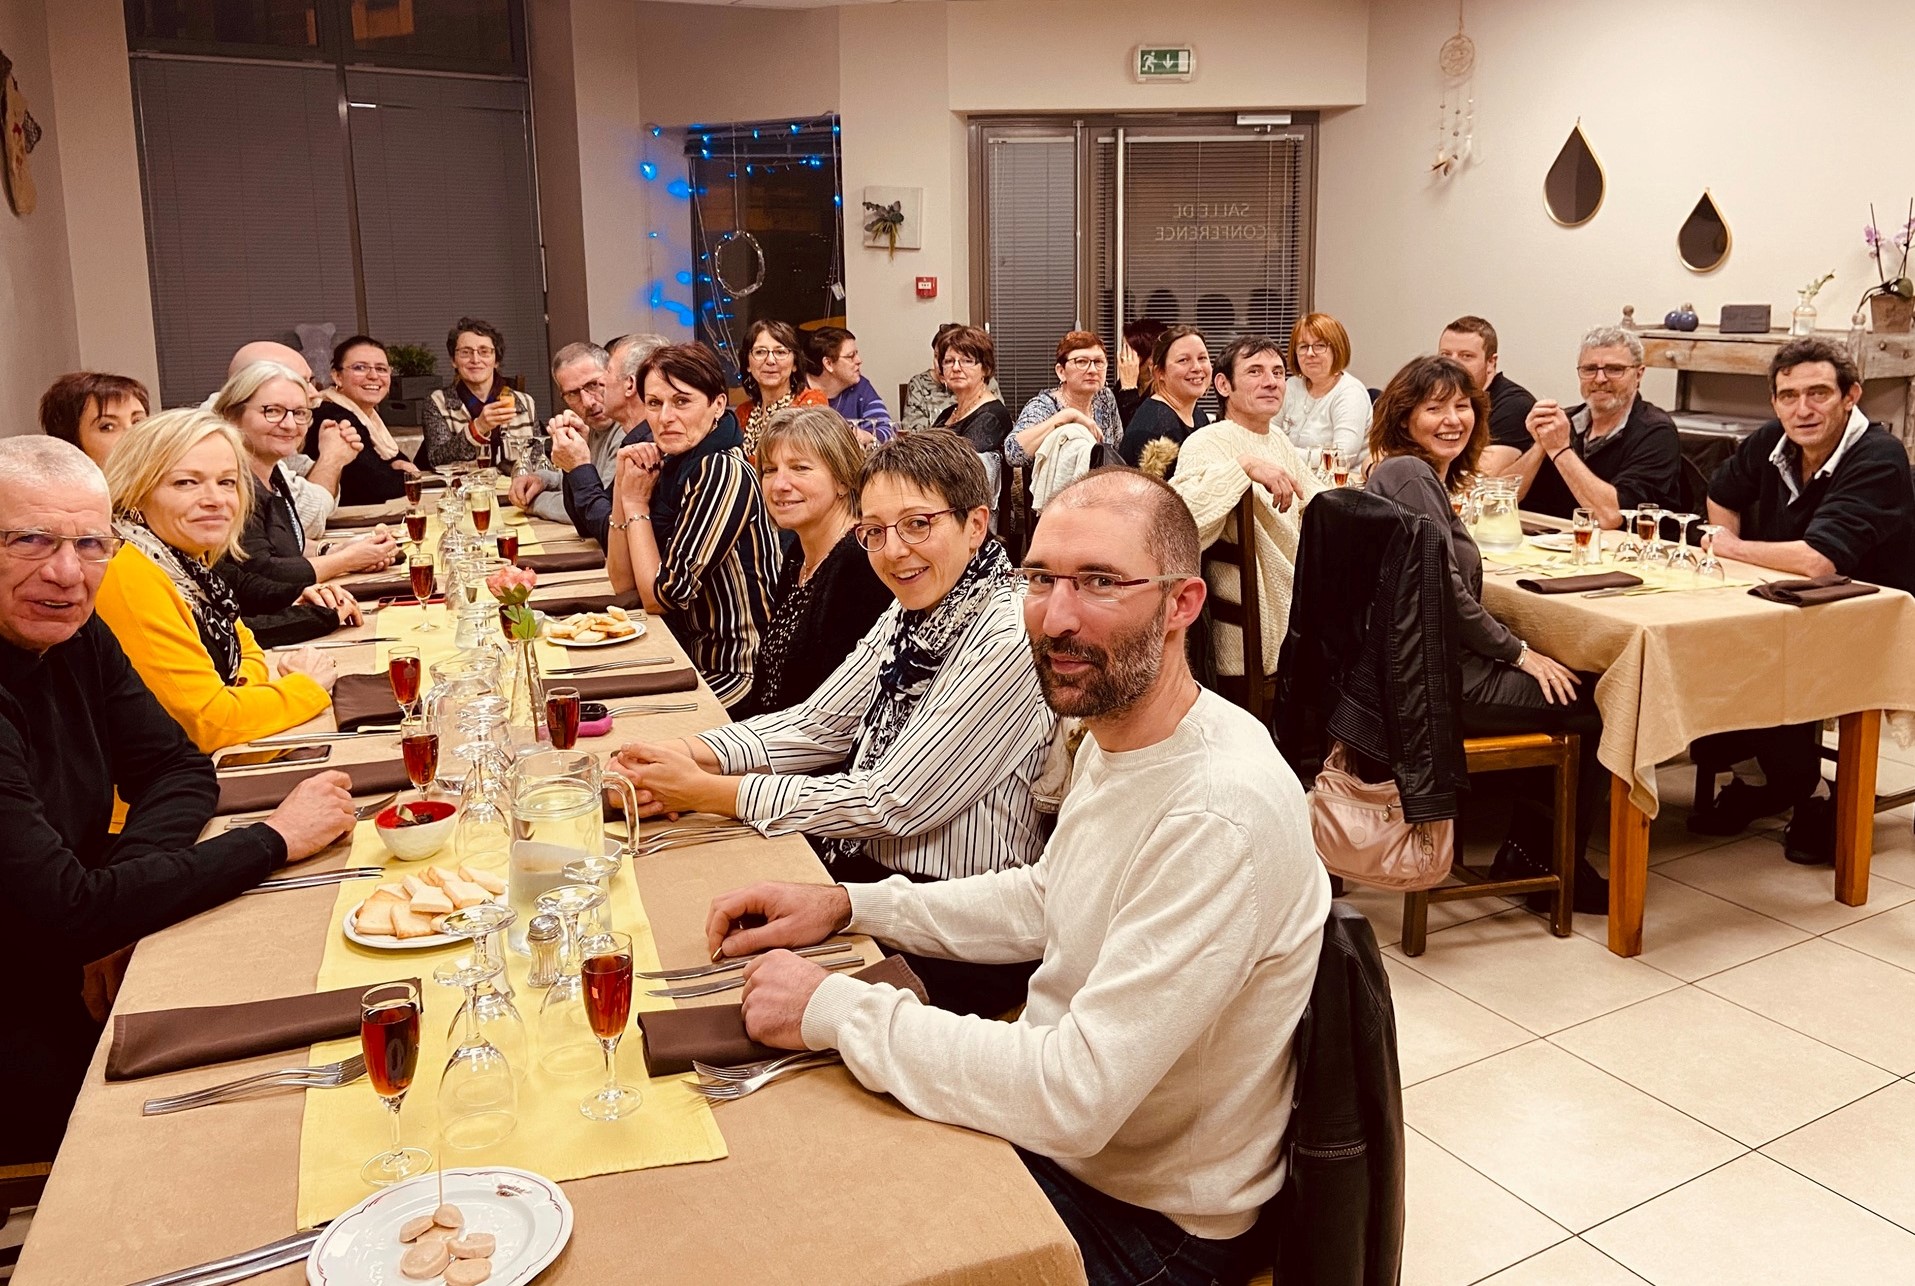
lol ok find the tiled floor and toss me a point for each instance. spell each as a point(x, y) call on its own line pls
point(1735, 1105)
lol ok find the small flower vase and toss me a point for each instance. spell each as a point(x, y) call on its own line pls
point(1802, 320)
point(528, 690)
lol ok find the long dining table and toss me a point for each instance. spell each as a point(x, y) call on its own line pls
point(1681, 658)
point(824, 1181)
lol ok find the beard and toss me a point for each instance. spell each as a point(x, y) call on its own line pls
point(1118, 676)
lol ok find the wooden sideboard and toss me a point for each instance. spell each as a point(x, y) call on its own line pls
point(1887, 362)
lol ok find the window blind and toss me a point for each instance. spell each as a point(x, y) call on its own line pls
point(1033, 258)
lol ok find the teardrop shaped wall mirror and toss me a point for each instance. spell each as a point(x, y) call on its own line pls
point(1703, 241)
point(1573, 188)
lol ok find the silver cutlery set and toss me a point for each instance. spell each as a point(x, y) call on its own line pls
point(323, 1077)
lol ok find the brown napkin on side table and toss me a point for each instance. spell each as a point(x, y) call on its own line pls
point(249, 791)
point(1814, 592)
point(167, 1040)
point(715, 1034)
point(1578, 584)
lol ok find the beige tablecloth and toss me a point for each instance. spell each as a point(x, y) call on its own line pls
point(826, 1182)
point(1677, 666)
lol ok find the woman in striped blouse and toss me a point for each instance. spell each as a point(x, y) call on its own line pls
point(929, 736)
point(689, 529)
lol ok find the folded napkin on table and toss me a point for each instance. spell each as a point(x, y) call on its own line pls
point(1578, 584)
point(573, 560)
point(374, 587)
point(246, 792)
point(629, 600)
point(1815, 591)
point(715, 1034)
point(367, 517)
point(360, 699)
point(166, 1040)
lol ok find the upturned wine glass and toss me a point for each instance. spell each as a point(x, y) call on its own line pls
point(1684, 554)
point(1711, 568)
point(1630, 549)
point(567, 1044)
point(497, 1015)
point(478, 1093)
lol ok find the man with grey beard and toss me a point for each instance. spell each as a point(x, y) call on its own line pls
point(1178, 911)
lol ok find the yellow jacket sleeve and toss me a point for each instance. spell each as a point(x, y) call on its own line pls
point(155, 627)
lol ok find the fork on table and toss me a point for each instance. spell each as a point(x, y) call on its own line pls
point(324, 1076)
point(728, 1083)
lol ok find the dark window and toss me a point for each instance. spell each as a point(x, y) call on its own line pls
point(288, 24)
point(450, 35)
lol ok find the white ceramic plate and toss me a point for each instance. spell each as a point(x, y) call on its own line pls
point(379, 943)
point(362, 1246)
point(1557, 542)
point(623, 638)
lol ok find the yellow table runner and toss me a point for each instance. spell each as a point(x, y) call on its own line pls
point(401, 626)
point(343, 1127)
point(1654, 576)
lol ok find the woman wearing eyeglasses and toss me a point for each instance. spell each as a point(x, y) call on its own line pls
point(774, 378)
point(1080, 398)
point(969, 364)
point(1323, 404)
point(180, 497)
point(468, 418)
point(361, 378)
point(925, 742)
point(688, 529)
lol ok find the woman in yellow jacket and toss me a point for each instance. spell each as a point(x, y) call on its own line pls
point(180, 497)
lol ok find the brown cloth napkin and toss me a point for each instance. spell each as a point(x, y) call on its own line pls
point(246, 792)
point(167, 1040)
point(629, 600)
point(575, 560)
point(376, 587)
point(1814, 592)
point(715, 1034)
point(1578, 584)
point(347, 522)
point(360, 699)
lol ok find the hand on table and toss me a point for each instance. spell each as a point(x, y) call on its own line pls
point(525, 488)
point(312, 663)
point(777, 989)
point(314, 813)
point(1549, 425)
point(337, 599)
point(372, 553)
point(404, 466)
point(1557, 680)
point(1274, 477)
point(796, 915)
point(669, 780)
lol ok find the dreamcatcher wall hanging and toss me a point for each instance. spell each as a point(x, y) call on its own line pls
point(1456, 110)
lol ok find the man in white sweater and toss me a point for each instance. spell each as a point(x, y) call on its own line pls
point(1178, 911)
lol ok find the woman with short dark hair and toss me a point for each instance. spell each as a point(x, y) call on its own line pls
point(466, 420)
point(926, 741)
point(91, 410)
point(361, 378)
point(689, 529)
point(840, 377)
point(1430, 427)
point(773, 378)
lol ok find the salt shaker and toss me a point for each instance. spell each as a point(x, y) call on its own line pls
point(545, 936)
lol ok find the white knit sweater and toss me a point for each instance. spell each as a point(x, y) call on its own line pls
point(1178, 911)
point(1211, 482)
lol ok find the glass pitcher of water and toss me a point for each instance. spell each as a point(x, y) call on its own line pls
point(558, 817)
point(457, 682)
point(1498, 527)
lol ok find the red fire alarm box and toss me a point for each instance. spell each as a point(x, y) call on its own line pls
point(927, 287)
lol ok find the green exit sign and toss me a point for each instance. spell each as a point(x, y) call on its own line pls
point(1163, 62)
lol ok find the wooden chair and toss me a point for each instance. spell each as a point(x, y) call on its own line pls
point(21, 1185)
point(1561, 751)
point(1237, 547)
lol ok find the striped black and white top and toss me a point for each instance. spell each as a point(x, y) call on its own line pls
point(716, 572)
point(952, 796)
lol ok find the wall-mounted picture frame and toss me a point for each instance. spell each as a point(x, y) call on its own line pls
point(893, 218)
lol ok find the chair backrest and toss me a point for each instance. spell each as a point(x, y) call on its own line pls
point(1695, 489)
point(1237, 547)
point(904, 394)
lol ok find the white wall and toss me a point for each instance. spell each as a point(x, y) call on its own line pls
point(38, 337)
point(1785, 114)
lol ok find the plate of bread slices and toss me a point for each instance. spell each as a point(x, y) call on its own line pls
point(407, 913)
point(596, 629)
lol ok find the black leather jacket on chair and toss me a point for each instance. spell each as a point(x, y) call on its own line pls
point(1338, 1220)
point(1370, 659)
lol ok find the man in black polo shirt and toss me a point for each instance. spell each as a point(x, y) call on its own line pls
point(1613, 452)
point(1471, 342)
point(1817, 491)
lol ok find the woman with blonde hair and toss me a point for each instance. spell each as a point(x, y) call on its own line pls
point(1324, 406)
point(180, 500)
point(827, 596)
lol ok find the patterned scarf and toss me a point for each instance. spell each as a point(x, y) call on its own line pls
point(761, 416)
point(668, 496)
point(215, 610)
point(914, 655)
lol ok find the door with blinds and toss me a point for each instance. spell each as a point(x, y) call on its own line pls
point(1194, 222)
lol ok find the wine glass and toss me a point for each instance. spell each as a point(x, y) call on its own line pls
point(419, 744)
point(1588, 541)
point(1339, 470)
point(597, 872)
point(565, 1033)
point(419, 568)
point(509, 547)
point(1710, 567)
point(561, 717)
point(415, 488)
point(478, 1098)
point(607, 970)
point(1684, 554)
point(1630, 550)
point(498, 1017)
point(479, 504)
point(389, 1038)
point(1649, 532)
point(402, 668)
point(416, 526)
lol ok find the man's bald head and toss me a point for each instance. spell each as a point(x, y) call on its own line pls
point(266, 350)
point(1162, 518)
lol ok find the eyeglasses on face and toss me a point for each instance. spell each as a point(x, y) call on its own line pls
point(770, 354)
point(1609, 371)
point(467, 354)
point(1096, 587)
point(276, 415)
point(1309, 346)
point(1087, 363)
point(36, 546)
point(912, 529)
point(959, 362)
point(594, 389)
point(363, 369)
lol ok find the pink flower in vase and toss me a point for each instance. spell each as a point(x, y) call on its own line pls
point(512, 585)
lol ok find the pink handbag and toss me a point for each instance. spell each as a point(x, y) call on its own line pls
point(1361, 834)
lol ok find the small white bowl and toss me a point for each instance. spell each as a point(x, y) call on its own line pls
point(415, 843)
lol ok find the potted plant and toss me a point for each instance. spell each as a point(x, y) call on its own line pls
point(1891, 302)
point(415, 374)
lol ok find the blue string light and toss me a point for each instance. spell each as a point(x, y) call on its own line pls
point(680, 189)
point(683, 278)
point(649, 170)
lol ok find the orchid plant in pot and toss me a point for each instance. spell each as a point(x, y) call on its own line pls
point(1891, 301)
point(512, 587)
